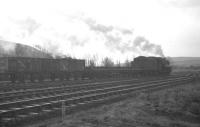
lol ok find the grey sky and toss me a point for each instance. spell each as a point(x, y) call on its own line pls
point(104, 28)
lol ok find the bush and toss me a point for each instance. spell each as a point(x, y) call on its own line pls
point(194, 108)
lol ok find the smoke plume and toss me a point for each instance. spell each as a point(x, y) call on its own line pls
point(30, 25)
point(75, 41)
point(145, 45)
point(115, 39)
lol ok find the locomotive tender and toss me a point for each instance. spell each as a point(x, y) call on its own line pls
point(27, 68)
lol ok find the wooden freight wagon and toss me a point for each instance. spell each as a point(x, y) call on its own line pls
point(3, 69)
point(72, 68)
point(27, 68)
point(21, 68)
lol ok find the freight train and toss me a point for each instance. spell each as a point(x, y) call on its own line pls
point(26, 68)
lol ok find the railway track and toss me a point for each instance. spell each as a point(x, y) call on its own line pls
point(61, 92)
point(13, 88)
point(30, 93)
point(15, 112)
point(7, 86)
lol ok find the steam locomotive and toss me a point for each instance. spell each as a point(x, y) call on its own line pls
point(26, 68)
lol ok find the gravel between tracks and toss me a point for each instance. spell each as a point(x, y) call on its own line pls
point(173, 107)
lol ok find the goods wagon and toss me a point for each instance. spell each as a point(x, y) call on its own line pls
point(70, 68)
point(21, 68)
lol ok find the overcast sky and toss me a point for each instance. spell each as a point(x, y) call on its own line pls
point(120, 29)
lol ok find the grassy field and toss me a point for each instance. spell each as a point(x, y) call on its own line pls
point(173, 107)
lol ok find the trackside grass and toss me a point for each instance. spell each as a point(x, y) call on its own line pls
point(173, 107)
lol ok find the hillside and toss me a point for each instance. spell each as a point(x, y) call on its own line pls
point(15, 49)
point(185, 61)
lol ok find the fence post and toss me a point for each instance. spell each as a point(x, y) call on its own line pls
point(63, 110)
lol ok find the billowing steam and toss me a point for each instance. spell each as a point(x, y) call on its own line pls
point(7, 48)
point(29, 24)
point(81, 37)
point(145, 45)
point(114, 39)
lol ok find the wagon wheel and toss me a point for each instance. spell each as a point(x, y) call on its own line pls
point(21, 77)
point(13, 78)
point(32, 78)
point(40, 78)
point(52, 77)
point(61, 76)
point(75, 76)
point(67, 76)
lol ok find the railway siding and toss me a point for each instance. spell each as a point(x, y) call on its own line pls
point(23, 110)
